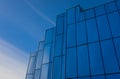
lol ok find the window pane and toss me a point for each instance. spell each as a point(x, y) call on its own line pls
point(71, 36)
point(49, 36)
point(103, 27)
point(58, 46)
point(79, 15)
point(89, 13)
point(37, 74)
point(39, 60)
point(60, 24)
point(100, 10)
point(71, 16)
point(41, 46)
point(98, 77)
point(114, 19)
point(117, 46)
point(111, 7)
point(83, 61)
point(44, 72)
point(110, 62)
point(31, 68)
point(114, 76)
point(57, 68)
point(81, 33)
point(46, 55)
point(92, 31)
point(63, 67)
point(50, 71)
point(96, 63)
point(71, 70)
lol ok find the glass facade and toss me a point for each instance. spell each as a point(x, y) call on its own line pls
point(85, 44)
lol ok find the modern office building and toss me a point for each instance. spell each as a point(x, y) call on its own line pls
point(85, 44)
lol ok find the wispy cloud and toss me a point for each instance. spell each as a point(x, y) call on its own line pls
point(40, 13)
point(13, 61)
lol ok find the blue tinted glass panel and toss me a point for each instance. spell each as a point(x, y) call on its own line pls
point(110, 61)
point(83, 61)
point(57, 68)
point(31, 68)
point(41, 46)
point(71, 70)
point(44, 72)
point(63, 67)
point(46, 55)
point(58, 46)
point(113, 76)
point(92, 30)
point(37, 74)
point(95, 59)
point(89, 13)
point(85, 78)
point(98, 77)
point(71, 36)
point(39, 60)
point(111, 7)
point(29, 77)
point(117, 45)
point(100, 10)
point(103, 27)
point(49, 36)
point(60, 24)
point(50, 71)
point(81, 33)
point(71, 16)
point(114, 19)
point(79, 15)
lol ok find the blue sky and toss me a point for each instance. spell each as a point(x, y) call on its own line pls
point(23, 24)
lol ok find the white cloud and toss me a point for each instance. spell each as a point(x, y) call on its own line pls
point(13, 61)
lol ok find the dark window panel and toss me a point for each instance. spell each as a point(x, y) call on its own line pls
point(89, 13)
point(110, 7)
point(37, 74)
point(71, 16)
point(79, 15)
point(113, 76)
point(114, 19)
point(39, 60)
point(46, 55)
point(71, 36)
point(117, 45)
point(103, 27)
point(57, 68)
point(71, 68)
point(50, 71)
point(63, 68)
point(110, 61)
point(99, 10)
point(83, 61)
point(96, 63)
point(92, 30)
point(58, 46)
point(41, 46)
point(81, 33)
point(60, 24)
point(44, 72)
point(98, 77)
